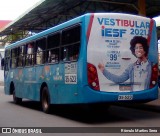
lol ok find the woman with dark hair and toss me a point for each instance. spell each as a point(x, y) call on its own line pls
point(138, 72)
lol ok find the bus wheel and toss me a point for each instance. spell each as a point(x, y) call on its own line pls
point(45, 100)
point(16, 100)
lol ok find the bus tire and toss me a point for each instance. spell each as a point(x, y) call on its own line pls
point(16, 100)
point(45, 100)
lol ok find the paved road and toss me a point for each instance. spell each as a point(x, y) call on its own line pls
point(29, 115)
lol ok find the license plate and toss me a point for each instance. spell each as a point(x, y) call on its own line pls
point(125, 97)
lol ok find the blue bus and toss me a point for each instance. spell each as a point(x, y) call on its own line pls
point(94, 58)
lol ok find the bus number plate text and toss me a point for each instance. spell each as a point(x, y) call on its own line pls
point(70, 79)
point(125, 97)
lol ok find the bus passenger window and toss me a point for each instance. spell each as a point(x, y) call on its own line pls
point(39, 56)
point(14, 56)
point(70, 53)
point(74, 52)
point(7, 60)
point(40, 51)
point(70, 44)
point(53, 48)
point(20, 56)
point(65, 56)
point(30, 54)
point(53, 56)
point(71, 35)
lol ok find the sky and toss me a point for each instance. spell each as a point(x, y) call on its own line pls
point(12, 9)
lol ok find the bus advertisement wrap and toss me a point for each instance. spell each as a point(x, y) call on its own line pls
point(120, 49)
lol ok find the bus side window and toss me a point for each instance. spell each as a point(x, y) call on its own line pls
point(53, 48)
point(70, 43)
point(7, 60)
point(29, 54)
point(74, 52)
point(65, 54)
point(20, 56)
point(14, 56)
point(40, 51)
point(53, 56)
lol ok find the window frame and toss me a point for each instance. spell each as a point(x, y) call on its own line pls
point(54, 48)
point(43, 51)
point(27, 56)
point(71, 44)
point(14, 58)
point(7, 60)
point(21, 55)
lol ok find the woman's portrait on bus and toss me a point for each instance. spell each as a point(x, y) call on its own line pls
point(139, 72)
